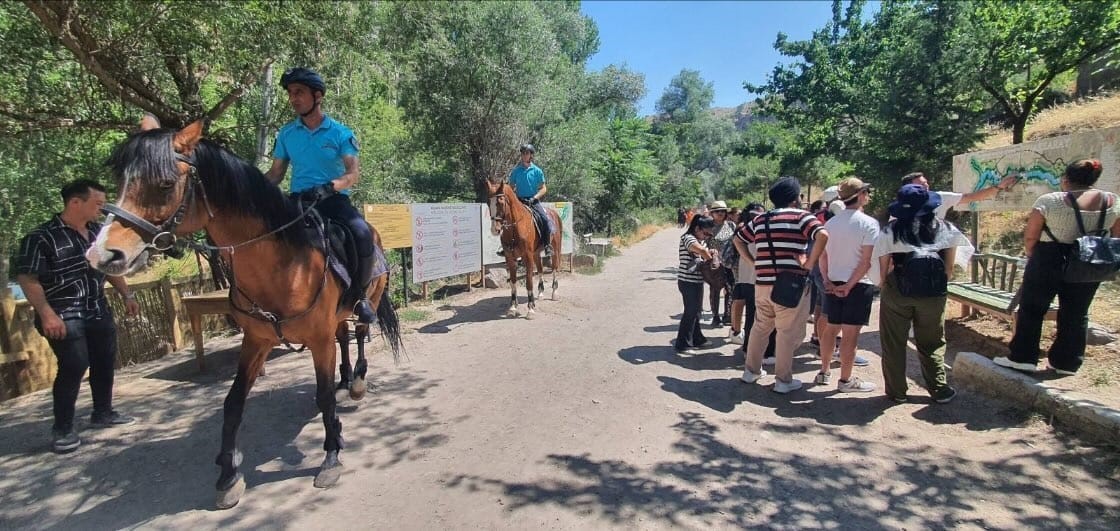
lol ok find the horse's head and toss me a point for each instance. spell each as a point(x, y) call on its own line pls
point(156, 182)
point(499, 194)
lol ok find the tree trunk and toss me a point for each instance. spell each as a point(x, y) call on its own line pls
point(480, 177)
point(266, 115)
point(1017, 128)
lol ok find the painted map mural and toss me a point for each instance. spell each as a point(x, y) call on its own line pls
point(1038, 165)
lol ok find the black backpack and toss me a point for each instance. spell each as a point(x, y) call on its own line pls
point(920, 273)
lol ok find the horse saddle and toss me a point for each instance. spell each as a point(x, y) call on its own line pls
point(340, 247)
point(542, 223)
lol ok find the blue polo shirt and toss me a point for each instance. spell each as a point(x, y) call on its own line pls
point(526, 181)
point(315, 156)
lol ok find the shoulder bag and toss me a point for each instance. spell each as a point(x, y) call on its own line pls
point(789, 286)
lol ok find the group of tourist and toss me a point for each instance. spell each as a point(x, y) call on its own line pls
point(834, 260)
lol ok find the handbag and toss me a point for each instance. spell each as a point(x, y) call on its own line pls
point(1095, 256)
point(789, 286)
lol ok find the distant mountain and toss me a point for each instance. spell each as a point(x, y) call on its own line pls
point(742, 116)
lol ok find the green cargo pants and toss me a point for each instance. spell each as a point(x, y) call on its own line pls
point(927, 315)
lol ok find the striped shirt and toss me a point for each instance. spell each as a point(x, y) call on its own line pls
point(686, 258)
point(791, 230)
point(54, 253)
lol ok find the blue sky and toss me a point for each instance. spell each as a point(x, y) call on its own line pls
point(728, 42)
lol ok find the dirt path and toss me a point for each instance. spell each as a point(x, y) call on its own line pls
point(582, 418)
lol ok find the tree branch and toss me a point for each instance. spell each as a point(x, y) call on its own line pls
point(237, 92)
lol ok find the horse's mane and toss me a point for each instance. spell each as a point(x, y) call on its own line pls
point(232, 185)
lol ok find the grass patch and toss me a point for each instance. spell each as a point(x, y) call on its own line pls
point(643, 232)
point(1100, 377)
point(412, 315)
point(1089, 113)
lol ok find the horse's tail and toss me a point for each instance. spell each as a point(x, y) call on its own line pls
point(389, 324)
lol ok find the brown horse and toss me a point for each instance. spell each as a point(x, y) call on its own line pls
point(173, 183)
point(511, 220)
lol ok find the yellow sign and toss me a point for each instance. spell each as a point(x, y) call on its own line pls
point(393, 222)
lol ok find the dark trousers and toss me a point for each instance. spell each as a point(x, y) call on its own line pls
point(90, 343)
point(338, 208)
point(750, 310)
point(1042, 281)
point(897, 313)
point(688, 334)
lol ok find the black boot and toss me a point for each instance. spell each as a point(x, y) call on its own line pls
point(363, 309)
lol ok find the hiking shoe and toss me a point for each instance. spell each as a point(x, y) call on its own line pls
point(750, 377)
point(704, 343)
point(769, 360)
point(899, 399)
point(736, 338)
point(65, 441)
point(861, 361)
point(683, 349)
point(781, 387)
point(854, 385)
point(108, 420)
point(823, 378)
point(1004, 361)
point(945, 396)
point(1062, 372)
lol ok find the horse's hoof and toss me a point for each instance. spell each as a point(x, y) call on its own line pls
point(342, 392)
point(328, 477)
point(512, 313)
point(358, 389)
point(555, 295)
point(531, 314)
point(229, 497)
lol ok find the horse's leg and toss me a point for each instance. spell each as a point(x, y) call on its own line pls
point(342, 334)
point(231, 484)
point(322, 354)
point(557, 240)
point(540, 275)
point(511, 267)
point(530, 264)
point(358, 384)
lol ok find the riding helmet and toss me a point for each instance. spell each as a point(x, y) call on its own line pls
point(528, 148)
point(304, 76)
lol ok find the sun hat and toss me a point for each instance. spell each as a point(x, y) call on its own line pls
point(850, 187)
point(914, 200)
point(830, 193)
point(717, 205)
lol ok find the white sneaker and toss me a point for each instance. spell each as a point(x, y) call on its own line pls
point(823, 378)
point(786, 387)
point(769, 361)
point(1004, 361)
point(854, 385)
point(750, 377)
point(736, 339)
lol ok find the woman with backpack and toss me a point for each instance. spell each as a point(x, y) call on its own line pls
point(1057, 220)
point(916, 253)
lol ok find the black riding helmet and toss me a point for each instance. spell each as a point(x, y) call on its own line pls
point(304, 76)
point(528, 148)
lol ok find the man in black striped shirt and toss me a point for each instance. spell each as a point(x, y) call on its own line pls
point(71, 310)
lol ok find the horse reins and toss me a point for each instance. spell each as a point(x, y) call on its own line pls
point(162, 238)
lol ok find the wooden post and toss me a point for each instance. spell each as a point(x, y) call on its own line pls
point(424, 290)
point(170, 298)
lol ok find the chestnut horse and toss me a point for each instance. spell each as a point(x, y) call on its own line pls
point(511, 220)
point(172, 183)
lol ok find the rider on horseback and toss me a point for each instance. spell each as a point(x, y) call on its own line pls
point(324, 158)
point(527, 180)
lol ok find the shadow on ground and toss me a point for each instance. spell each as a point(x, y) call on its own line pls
point(491, 309)
point(717, 484)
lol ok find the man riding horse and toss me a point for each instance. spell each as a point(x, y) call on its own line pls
point(323, 154)
point(527, 180)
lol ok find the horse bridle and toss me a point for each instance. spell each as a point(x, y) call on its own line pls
point(162, 237)
point(494, 216)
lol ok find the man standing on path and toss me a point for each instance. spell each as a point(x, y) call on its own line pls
point(71, 310)
point(324, 158)
point(952, 199)
point(848, 291)
point(780, 237)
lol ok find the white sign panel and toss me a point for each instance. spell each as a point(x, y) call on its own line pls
point(1039, 166)
point(491, 243)
point(446, 240)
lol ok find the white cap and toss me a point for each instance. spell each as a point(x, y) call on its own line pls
point(830, 193)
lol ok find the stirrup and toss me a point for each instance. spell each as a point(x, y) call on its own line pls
point(364, 311)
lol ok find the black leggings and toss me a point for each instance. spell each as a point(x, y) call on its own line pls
point(338, 208)
point(90, 343)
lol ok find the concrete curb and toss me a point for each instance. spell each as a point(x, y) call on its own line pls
point(1071, 409)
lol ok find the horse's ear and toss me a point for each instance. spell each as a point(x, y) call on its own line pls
point(149, 122)
point(187, 138)
point(491, 186)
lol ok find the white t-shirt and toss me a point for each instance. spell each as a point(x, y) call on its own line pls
point(746, 268)
point(948, 201)
point(947, 236)
point(848, 232)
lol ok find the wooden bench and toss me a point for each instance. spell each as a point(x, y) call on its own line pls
point(996, 287)
point(215, 302)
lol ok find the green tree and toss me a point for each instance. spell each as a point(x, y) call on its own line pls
point(1017, 49)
